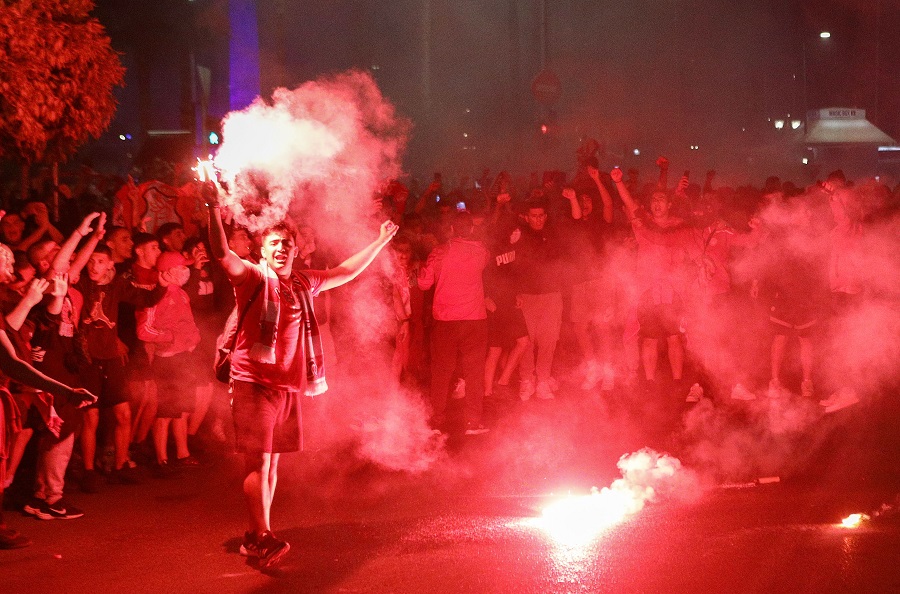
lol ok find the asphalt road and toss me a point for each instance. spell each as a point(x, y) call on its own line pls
point(467, 523)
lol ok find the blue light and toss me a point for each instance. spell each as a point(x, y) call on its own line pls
point(213, 138)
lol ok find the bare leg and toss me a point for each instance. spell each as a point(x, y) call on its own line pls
point(20, 441)
point(201, 406)
point(180, 436)
point(512, 361)
point(122, 434)
point(257, 491)
point(161, 439)
point(806, 357)
point(676, 356)
point(146, 415)
point(490, 369)
point(779, 344)
point(89, 437)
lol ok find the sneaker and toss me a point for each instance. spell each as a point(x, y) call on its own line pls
point(473, 428)
point(90, 482)
point(10, 539)
point(124, 476)
point(841, 399)
point(544, 391)
point(60, 510)
point(33, 507)
point(806, 389)
point(188, 462)
point(526, 389)
point(249, 548)
point(694, 394)
point(270, 549)
point(739, 392)
point(459, 390)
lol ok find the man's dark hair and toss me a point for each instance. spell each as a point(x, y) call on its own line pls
point(167, 229)
point(143, 239)
point(191, 243)
point(283, 228)
point(112, 230)
point(463, 224)
point(103, 249)
point(539, 203)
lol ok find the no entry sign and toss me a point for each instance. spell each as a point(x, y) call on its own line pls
point(546, 87)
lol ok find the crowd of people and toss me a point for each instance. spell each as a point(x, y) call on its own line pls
point(656, 286)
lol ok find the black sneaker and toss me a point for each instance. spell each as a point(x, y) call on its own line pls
point(187, 462)
point(33, 507)
point(90, 482)
point(249, 548)
point(10, 539)
point(60, 510)
point(270, 549)
point(124, 476)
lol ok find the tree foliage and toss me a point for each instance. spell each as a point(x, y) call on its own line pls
point(57, 74)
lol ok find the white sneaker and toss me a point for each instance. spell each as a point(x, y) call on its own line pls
point(526, 389)
point(544, 391)
point(841, 399)
point(695, 393)
point(739, 392)
point(459, 390)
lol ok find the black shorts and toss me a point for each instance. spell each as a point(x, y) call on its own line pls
point(265, 420)
point(659, 320)
point(505, 326)
point(138, 365)
point(107, 379)
point(176, 385)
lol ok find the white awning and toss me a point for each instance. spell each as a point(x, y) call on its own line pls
point(837, 125)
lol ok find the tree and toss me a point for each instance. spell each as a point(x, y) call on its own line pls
point(57, 74)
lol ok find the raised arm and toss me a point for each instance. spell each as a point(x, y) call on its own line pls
point(234, 267)
point(574, 207)
point(350, 268)
point(63, 262)
point(663, 181)
point(631, 206)
point(604, 194)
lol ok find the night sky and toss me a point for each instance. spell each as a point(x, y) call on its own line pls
point(657, 75)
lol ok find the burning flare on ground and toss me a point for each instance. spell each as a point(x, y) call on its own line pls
point(576, 521)
point(854, 520)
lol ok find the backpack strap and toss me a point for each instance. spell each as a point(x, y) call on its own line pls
point(240, 320)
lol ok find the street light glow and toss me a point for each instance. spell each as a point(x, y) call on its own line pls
point(825, 35)
point(779, 124)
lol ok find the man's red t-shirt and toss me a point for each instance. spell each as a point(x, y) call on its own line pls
point(288, 373)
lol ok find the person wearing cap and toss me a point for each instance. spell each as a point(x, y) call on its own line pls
point(169, 326)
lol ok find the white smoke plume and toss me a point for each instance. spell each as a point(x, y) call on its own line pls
point(321, 149)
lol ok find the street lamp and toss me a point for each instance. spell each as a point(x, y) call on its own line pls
point(824, 35)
